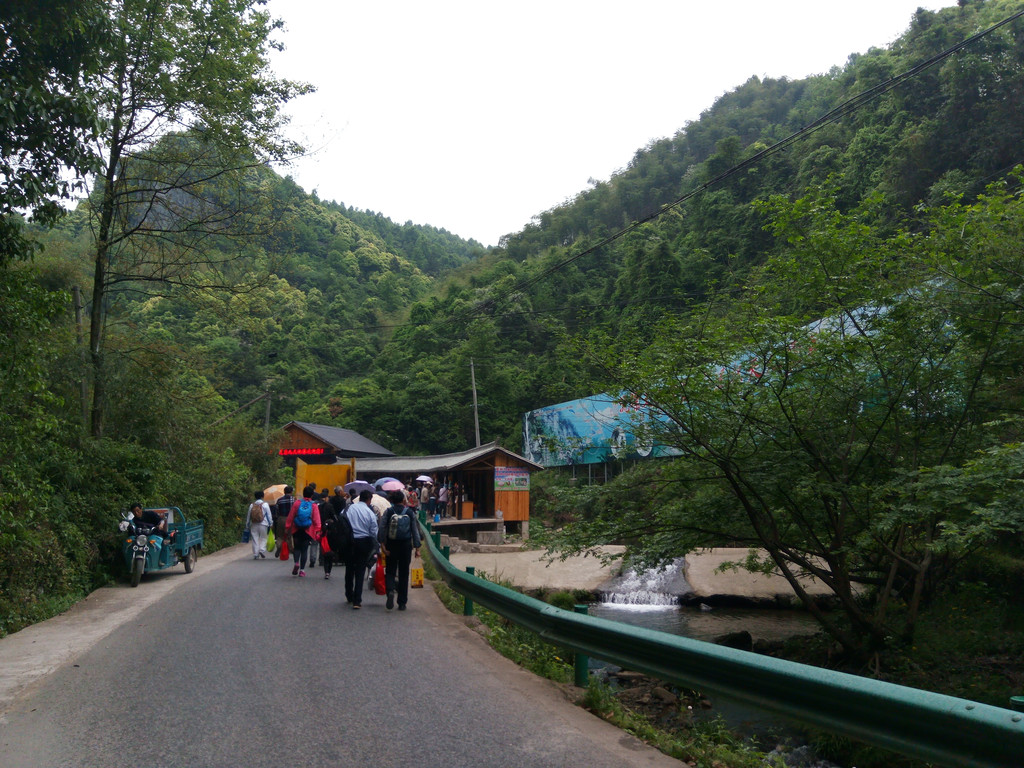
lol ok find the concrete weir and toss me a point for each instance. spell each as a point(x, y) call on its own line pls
point(696, 579)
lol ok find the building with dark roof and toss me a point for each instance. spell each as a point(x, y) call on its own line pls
point(316, 443)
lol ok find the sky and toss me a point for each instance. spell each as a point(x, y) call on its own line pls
point(477, 116)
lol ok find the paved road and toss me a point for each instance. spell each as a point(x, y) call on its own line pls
point(244, 665)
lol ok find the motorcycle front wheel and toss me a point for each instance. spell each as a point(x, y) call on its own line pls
point(138, 566)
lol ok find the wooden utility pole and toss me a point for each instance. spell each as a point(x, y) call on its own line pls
point(77, 293)
point(476, 414)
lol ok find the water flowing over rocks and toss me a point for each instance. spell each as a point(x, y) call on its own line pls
point(665, 586)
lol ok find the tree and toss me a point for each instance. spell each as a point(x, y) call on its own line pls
point(193, 115)
point(46, 68)
point(836, 417)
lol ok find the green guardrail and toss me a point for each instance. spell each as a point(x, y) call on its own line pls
point(921, 724)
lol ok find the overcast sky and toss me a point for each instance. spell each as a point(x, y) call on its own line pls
point(477, 116)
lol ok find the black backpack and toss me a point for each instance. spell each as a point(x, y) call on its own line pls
point(338, 532)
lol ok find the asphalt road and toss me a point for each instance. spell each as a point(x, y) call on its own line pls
point(240, 664)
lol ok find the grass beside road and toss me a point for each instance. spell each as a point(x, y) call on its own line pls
point(675, 732)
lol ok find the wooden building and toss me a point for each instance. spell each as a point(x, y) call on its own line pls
point(315, 442)
point(492, 485)
point(325, 455)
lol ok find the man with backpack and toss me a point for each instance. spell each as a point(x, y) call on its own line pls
point(258, 521)
point(303, 525)
point(399, 536)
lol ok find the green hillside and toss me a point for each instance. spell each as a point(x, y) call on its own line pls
point(223, 282)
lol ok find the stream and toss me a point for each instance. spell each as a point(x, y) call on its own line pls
point(650, 600)
point(761, 623)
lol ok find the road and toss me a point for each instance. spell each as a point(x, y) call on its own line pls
point(240, 663)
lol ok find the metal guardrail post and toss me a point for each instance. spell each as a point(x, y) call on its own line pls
point(437, 539)
point(467, 603)
point(447, 552)
point(582, 662)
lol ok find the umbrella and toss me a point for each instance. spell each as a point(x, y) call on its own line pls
point(273, 493)
point(357, 486)
point(425, 479)
point(380, 504)
point(392, 485)
point(383, 480)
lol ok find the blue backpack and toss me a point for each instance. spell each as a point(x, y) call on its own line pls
point(304, 517)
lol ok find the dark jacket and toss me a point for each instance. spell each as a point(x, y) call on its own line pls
point(335, 506)
point(283, 506)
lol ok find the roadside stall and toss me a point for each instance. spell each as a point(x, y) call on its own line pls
point(488, 486)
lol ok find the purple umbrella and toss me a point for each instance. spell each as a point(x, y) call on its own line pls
point(357, 486)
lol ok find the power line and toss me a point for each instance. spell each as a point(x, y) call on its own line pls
point(846, 108)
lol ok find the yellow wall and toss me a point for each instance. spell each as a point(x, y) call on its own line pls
point(324, 475)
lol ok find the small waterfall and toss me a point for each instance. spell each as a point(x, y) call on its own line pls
point(659, 587)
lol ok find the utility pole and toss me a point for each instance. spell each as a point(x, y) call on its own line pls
point(476, 414)
point(77, 293)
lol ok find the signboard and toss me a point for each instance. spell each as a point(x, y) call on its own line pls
point(302, 452)
point(591, 430)
point(511, 479)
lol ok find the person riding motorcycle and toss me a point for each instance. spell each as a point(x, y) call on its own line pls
point(153, 518)
point(148, 517)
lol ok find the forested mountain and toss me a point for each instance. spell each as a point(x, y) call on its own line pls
point(434, 251)
point(372, 326)
point(952, 128)
point(211, 289)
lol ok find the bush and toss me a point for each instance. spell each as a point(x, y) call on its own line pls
point(564, 600)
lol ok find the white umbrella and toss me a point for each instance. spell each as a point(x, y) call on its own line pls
point(380, 504)
point(424, 479)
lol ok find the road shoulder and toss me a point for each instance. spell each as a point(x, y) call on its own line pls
point(37, 651)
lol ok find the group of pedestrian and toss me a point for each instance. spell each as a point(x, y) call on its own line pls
point(301, 522)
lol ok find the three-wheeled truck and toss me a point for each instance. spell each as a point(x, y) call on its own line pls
point(147, 549)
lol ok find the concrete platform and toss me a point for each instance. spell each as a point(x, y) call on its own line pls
point(529, 569)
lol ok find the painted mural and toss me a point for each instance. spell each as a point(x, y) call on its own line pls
point(591, 430)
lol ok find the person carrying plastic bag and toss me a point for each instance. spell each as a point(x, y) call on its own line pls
point(399, 536)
